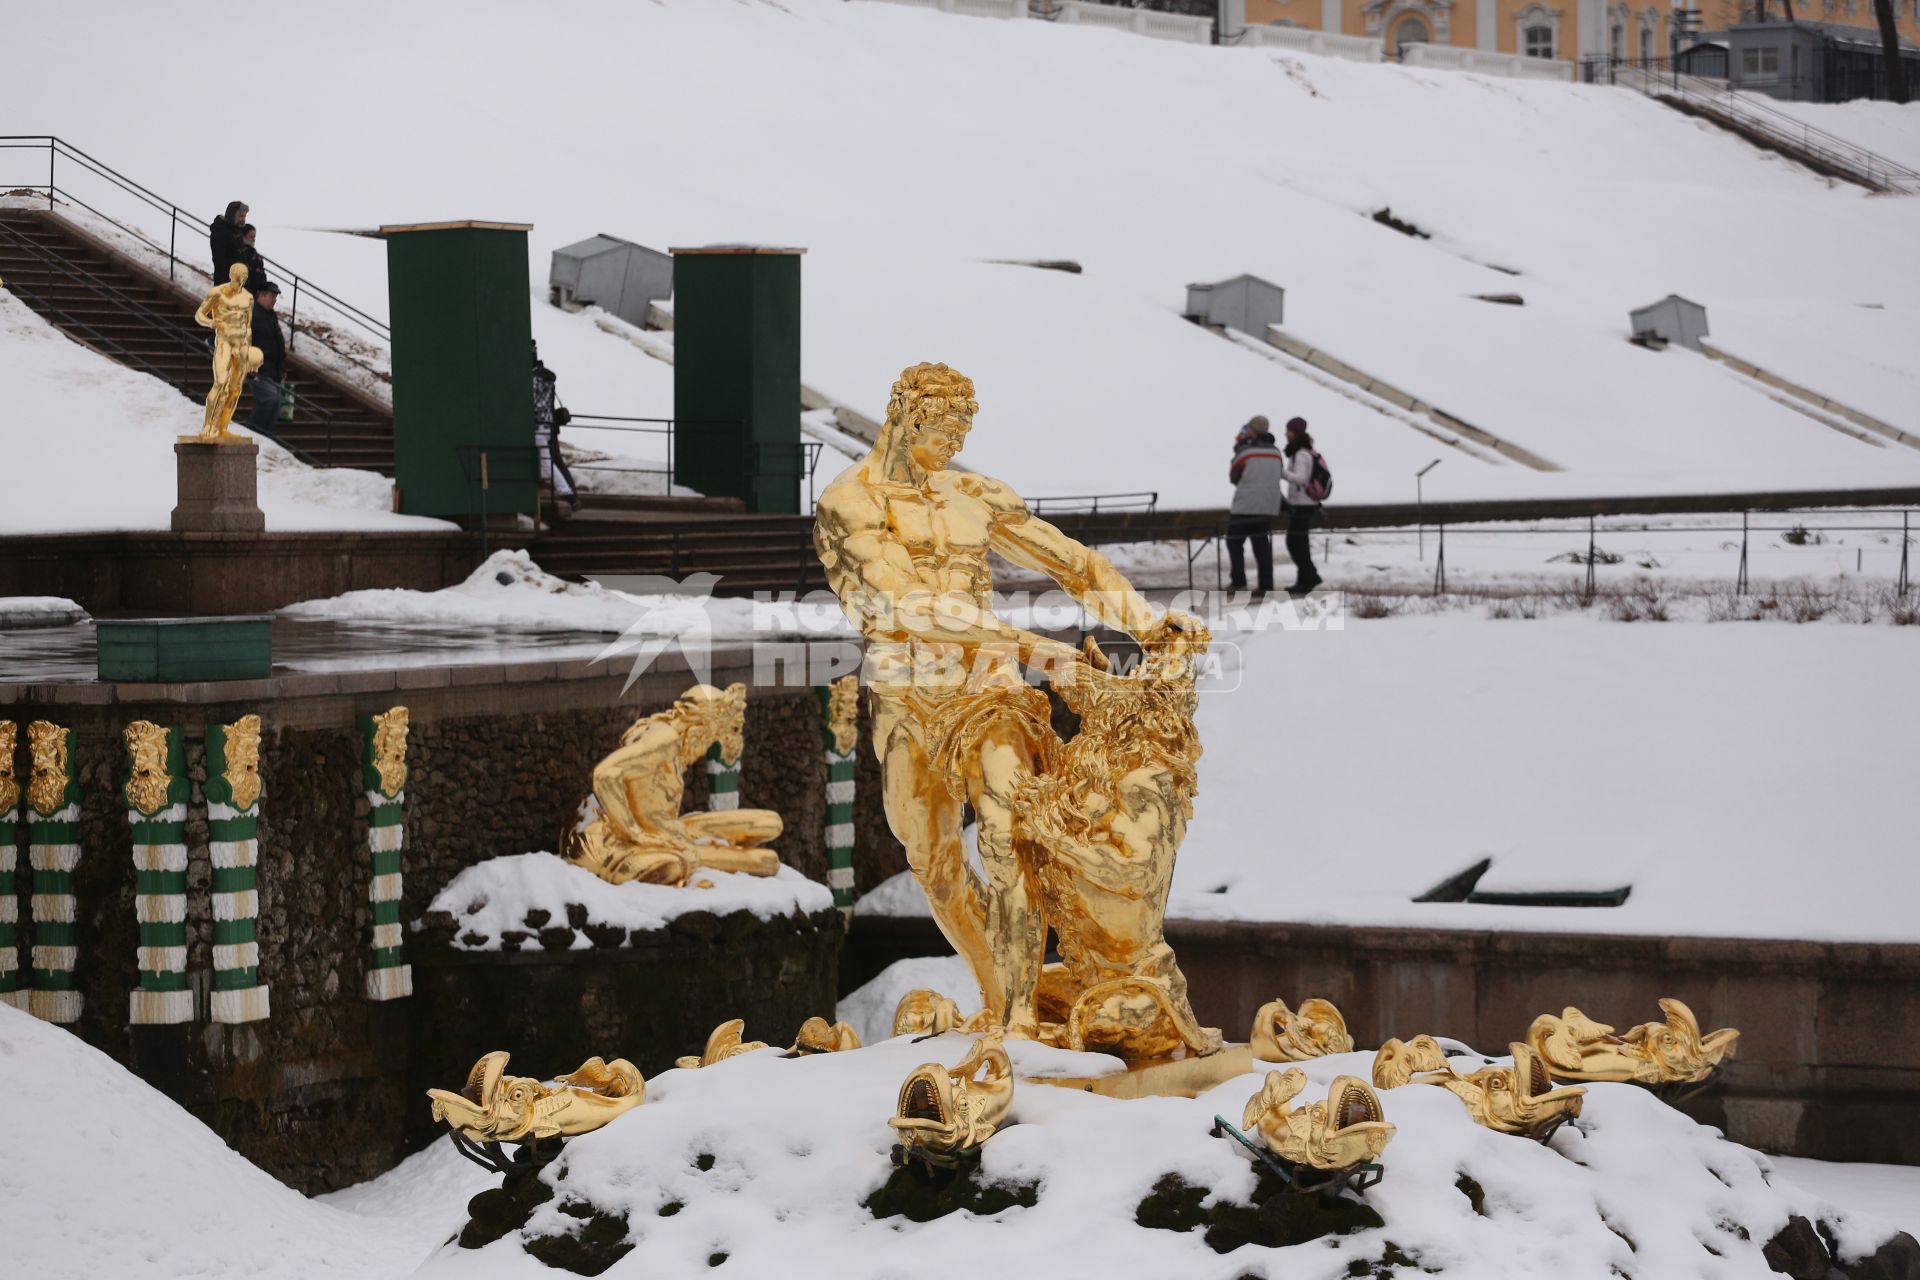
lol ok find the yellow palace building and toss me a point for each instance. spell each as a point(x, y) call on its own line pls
point(1627, 30)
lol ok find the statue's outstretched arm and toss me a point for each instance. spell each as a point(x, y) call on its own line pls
point(203, 315)
point(1083, 573)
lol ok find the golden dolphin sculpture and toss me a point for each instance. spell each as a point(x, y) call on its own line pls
point(925, 1012)
point(1519, 1099)
point(722, 1044)
point(497, 1107)
point(1575, 1047)
point(1283, 1035)
point(1348, 1128)
point(952, 1109)
point(817, 1035)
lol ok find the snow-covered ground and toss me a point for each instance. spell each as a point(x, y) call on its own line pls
point(1153, 164)
point(1744, 780)
point(491, 897)
point(92, 441)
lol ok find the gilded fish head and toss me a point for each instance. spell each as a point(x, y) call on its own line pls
point(932, 1111)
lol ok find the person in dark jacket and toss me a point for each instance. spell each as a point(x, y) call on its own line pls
point(1256, 474)
point(223, 239)
point(1303, 509)
point(549, 415)
point(256, 267)
point(270, 380)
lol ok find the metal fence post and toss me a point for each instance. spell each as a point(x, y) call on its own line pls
point(1592, 555)
point(1740, 579)
point(1440, 559)
point(52, 151)
point(1905, 540)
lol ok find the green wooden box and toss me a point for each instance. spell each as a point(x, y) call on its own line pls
point(736, 375)
point(462, 368)
point(181, 649)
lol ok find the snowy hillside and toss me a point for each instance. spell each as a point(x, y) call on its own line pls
point(909, 150)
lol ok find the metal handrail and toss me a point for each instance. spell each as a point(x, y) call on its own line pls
point(58, 148)
point(161, 324)
point(1147, 500)
point(1876, 168)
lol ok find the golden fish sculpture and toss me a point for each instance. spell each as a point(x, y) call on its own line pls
point(925, 1012)
point(1284, 1035)
point(817, 1035)
point(724, 1043)
point(1519, 1099)
point(1346, 1129)
point(946, 1111)
point(1574, 1047)
point(497, 1107)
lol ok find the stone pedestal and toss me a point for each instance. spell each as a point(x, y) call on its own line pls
point(219, 484)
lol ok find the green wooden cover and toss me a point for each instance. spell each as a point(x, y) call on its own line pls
point(462, 369)
point(180, 649)
point(736, 377)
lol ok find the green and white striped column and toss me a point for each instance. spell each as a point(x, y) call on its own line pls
point(723, 781)
point(11, 992)
point(156, 794)
point(383, 773)
point(233, 831)
point(840, 731)
point(53, 851)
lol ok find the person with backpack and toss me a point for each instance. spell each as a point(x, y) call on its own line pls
point(1309, 483)
point(223, 239)
point(1256, 472)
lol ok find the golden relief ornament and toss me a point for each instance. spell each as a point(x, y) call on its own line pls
point(723, 1043)
point(1078, 837)
point(390, 750)
point(49, 746)
point(817, 1035)
point(946, 1111)
point(149, 780)
point(1519, 1099)
point(9, 781)
point(228, 311)
point(243, 761)
point(632, 827)
point(843, 712)
point(1574, 1047)
point(1346, 1129)
point(1284, 1035)
point(496, 1107)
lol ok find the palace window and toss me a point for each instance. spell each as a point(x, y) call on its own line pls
point(1539, 41)
point(1646, 44)
point(1619, 42)
point(1412, 29)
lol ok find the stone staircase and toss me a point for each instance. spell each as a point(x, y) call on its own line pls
point(116, 304)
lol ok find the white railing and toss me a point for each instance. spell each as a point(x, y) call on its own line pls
point(1325, 43)
point(1485, 62)
point(1144, 22)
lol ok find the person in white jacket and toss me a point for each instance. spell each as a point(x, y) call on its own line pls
point(1303, 510)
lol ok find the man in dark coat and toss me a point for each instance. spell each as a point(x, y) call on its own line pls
point(223, 238)
point(269, 382)
point(256, 265)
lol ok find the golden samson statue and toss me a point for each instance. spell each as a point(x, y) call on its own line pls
point(631, 828)
point(228, 311)
point(1081, 836)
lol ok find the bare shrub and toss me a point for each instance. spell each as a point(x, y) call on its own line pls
point(1372, 606)
point(1527, 607)
point(1803, 602)
point(1902, 608)
point(1643, 602)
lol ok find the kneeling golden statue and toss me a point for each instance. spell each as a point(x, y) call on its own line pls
point(631, 828)
point(949, 1110)
point(1519, 1099)
point(497, 1107)
point(1575, 1047)
point(1347, 1129)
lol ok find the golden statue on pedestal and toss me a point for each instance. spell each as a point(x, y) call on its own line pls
point(632, 828)
point(1346, 1130)
point(1575, 1047)
point(228, 311)
point(496, 1107)
point(1078, 836)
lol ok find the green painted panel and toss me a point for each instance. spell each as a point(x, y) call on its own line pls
point(736, 385)
point(462, 371)
point(178, 649)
